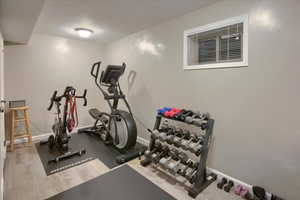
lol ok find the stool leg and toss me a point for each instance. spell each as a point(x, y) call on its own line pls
point(27, 127)
point(12, 134)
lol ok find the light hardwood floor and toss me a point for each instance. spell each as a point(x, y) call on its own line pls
point(25, 178)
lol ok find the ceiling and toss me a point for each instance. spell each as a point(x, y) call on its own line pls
point(109, 19)
point(18, 18)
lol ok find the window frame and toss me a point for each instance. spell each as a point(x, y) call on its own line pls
point(230, 21)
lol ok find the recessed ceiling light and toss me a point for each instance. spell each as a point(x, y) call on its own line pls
point(84, 32)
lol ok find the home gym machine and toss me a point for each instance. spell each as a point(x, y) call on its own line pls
point(62, 125)
point(118, 127)
point(180, 151)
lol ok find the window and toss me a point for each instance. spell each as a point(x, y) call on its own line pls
point(218, 45)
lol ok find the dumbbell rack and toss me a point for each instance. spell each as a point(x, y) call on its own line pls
point(202, 179)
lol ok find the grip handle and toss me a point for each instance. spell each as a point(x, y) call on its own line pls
point(93, 72)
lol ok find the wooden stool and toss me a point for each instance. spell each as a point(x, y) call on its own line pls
point(14, 122)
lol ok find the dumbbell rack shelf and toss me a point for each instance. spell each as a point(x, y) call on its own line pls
point(202, 180)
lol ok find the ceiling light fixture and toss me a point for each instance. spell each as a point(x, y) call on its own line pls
point(84, 32)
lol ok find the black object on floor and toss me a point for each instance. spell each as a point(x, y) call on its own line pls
point(121, 183)
point(94, 147)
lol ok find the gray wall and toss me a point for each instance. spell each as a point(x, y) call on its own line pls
point(45, 64)
point(256, 108)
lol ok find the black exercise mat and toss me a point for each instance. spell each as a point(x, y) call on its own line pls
point(123, 183)
point(94, 147)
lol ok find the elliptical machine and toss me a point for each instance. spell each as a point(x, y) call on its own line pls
point(117, 127)
point(65, 124)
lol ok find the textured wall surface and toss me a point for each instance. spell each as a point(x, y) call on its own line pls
point(256, 108)
point(45, 64)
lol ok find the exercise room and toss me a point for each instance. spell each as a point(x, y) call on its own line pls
point(149, 100)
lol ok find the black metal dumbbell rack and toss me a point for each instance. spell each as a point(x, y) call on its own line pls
point(201, 180)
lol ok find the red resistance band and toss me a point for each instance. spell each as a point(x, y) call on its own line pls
point(72, 121)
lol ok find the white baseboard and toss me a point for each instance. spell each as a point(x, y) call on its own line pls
point(38, 138)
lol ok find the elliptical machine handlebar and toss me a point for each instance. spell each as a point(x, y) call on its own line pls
point(95, 75)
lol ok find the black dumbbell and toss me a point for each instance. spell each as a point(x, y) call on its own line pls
point(187, 113)
point(200, 119)
point(221, 184)
point(191, 174)
point(204, 125)
point(196, 147)
point(182, 170)
point(228, 187)
point(178, 115)
point(164, 152)
point(189, 164)
point(259, 192)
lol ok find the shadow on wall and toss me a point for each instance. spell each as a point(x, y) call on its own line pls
point(130, 80)
point(142, 105)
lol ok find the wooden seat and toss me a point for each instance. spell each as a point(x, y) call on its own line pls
point(14, 122)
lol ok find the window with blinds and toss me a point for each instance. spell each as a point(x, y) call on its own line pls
point(217, 45)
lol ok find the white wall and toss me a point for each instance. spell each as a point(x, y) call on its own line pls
point(2, 148)
point(256, 108)
point(48, 63)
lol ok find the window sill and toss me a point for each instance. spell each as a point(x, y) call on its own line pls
point(216, 66)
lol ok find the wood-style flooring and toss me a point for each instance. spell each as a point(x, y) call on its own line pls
point(25, 178)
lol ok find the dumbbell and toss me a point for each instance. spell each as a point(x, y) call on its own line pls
point(189, 119)
point(159, 135)
point(221, 184)
point(163, 162)
point(228, 187)
point(203, 118)
point(204, 125)
point(171, 135)
point(177, 140)
point(173, 166)
point(181, 156)
point(150, 154)
point(182, 134)
point(164, 127)
point(171, 113)
point(178, 115)
point(189, 164)
point(185, 114)
point(162, 136)
point(186, 142)
point(190, 174)
point(163, 110)
point(195, 147)
point(164, 152)
point(182, 171)
point(157, 147)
